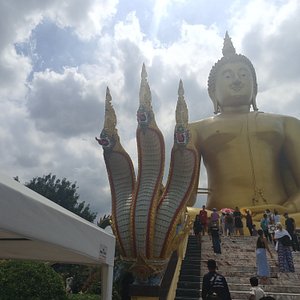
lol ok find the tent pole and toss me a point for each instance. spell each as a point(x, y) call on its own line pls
point(106, 282)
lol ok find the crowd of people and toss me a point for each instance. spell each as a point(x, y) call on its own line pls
point(271, 234)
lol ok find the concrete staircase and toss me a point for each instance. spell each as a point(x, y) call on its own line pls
point(238, 263)
point(188, 286)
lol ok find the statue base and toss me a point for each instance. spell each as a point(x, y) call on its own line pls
point(159, 291)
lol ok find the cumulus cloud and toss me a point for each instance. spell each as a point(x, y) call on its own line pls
point(59, 101)
point(53, 110)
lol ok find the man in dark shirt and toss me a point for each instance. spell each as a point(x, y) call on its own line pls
point(238, 223)
point(215, 237)
point(290, 226)
point(214, 283)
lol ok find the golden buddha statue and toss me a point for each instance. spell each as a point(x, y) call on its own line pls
point(251, 157)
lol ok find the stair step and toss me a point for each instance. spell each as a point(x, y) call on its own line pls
point(188, 284)
point(188, 292)
point(266, 288)
point(191, 278)
point(237, 263)
point(185, 298)
point(192, 272)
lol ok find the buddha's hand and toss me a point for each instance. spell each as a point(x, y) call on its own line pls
point(258, 210)
point(293, 204)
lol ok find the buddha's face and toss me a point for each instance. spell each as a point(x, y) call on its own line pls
point(234, 85)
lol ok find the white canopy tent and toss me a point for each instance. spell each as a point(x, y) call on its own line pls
point(33, 227)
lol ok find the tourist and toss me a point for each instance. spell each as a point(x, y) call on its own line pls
point(238, 223)
point(214, 216)
point(215, 236)
point(290, 226)
point(249, 221)
point(229, 224)
point(222, 218)
point(264, 225)
point(283, 247)
point(276, 217)
point(269, 214)
point(203, 219)
point(197, 229)
point(256, 292)
point(263, 269)
point(214, 283)
point(254, 231)
point(271, 229)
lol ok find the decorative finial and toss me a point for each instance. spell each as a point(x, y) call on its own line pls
point(109, 134)
point(180, 89)
point(110, 119)
point(181, 134)
point(145, 93)
point(144, 73)
point(228, 48)
point(181, 108)
point(108, 96)
point(145, 114)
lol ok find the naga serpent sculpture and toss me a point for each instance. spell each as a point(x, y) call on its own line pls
point(149, 220)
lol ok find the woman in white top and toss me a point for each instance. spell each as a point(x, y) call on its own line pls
point(283, 247)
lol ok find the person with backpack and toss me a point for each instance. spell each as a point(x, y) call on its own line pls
point(214, 285)
point(215, 236)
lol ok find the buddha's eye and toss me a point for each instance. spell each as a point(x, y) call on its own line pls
point(227, 75)
point(243, 73)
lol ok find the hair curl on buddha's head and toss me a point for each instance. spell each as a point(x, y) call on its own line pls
point(229, 56)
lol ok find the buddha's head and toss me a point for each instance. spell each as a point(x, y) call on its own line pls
point(232, 80)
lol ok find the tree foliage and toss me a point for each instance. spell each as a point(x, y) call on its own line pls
point(62, 192)
point(25, 280)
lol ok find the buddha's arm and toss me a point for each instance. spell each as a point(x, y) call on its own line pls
point(292, 154)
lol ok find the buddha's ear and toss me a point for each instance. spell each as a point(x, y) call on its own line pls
point(253, 102)
point(215, 103)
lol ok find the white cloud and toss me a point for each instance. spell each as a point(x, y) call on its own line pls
point(51, 118)
point(86, 17)
point(59, 101)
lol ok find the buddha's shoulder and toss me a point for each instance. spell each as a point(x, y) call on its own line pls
point(203, 122)
point(223, 118)
point(277, 117)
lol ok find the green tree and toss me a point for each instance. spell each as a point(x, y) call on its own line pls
point(26, 280)
point(62, 192)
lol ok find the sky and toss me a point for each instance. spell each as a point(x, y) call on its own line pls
point(58, 56)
